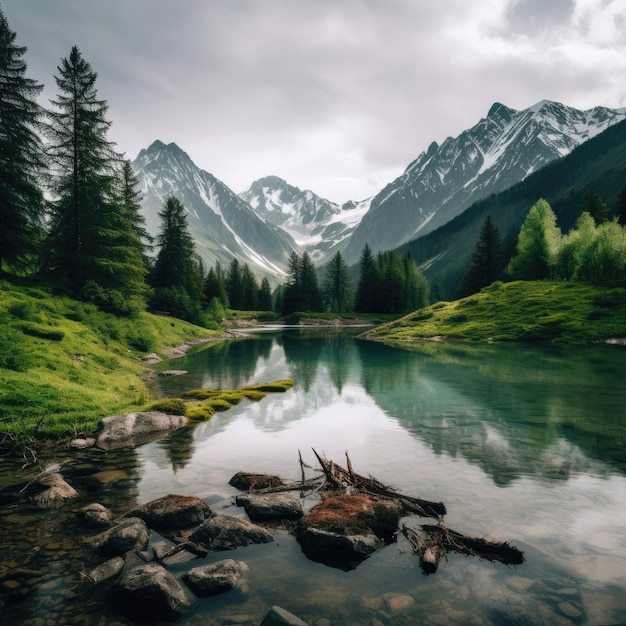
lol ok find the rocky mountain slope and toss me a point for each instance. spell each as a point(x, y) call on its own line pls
point(498, 152)
point(222, 224)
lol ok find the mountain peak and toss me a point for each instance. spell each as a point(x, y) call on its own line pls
point(500, 110)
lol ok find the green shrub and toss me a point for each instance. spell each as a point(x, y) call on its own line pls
point(24, 311)
point(42, 332)
point(171, 406)
point(201, 394)
point(200, 412)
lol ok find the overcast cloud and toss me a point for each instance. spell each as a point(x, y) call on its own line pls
point(336, 96)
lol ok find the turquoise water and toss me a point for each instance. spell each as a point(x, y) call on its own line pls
point(522, 443)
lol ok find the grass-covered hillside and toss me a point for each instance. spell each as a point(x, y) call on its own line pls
point(564, 312)
point(64, 364)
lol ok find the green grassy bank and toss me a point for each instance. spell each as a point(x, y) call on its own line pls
point(562, 312)
point(64, 364)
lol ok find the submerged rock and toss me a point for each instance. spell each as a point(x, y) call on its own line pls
point(271, 506)
point(130, 534)
point(107, 570)
point(149, 593)
point(130, 429)
point(278, 616)
point(174, 512)
point(94, 516)
point(50, 489)
point(226, 532)
point(209, 580)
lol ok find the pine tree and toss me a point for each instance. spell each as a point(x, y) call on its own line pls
point(309, 288)
point(596, 207)
point(130, 203)
point(620, 207)
point(292, 300)
point(177, 280)
point(92, 247)
point(487, 260)
point(338, 290)
point(215, 286)
point(234, 285)
point(21, 157)
point(367, 290)
point(416, 286)
point(249, 288)
point(265, 296)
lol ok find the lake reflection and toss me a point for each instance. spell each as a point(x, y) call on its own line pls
point(525, 444)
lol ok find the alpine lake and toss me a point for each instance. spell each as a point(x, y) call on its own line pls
point(523, 443)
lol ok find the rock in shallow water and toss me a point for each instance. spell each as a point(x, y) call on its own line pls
point(226, 532)
point(271, 506)
point(174, 512)
point(149, 593)
point(209, 580)
point(129, 534)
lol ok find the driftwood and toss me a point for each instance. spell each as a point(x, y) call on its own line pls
point(351, 482)
point(434, 542)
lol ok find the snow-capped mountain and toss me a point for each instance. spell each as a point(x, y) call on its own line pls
point(317, 224)
point(498, 152)
point(221, 223)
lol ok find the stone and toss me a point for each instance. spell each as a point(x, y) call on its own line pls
point(514, 611)
point(173, 512)
point(173, 373)
point(271, 506)
point(569, 610)
point(130, 429)
point(245, 481)
point(129, 534)
point(210, 580)
point(278, 616)
point(106, 570)
point(110, 476)
point(518, 584)
point(94, 516)
point(151, 359)
point(227, 532)
point(50, 489)
point(148, 593)
point(336, 549)
point(81, 443)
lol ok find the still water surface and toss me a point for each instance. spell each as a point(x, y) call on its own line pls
point(522, 443)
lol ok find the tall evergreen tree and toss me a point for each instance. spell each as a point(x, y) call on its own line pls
point(309, 288)
point(21, 157)
point(487, 261)
point(91, 244)
point(130, 204)
point(338, 290)
point(177, 280)
point(596, 207)
point(620, 207)
point(292, 300)
point(265, 296)
point(367, 290)
point(234, 285)
point(249, 289)
point(215, 286)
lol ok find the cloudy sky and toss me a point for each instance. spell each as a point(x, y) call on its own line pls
point(336, 96)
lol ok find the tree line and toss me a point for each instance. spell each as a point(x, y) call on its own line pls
point(70, 212)
point(593, 250)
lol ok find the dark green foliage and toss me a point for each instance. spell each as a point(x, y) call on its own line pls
point(21, 158)
point(366, 296)
point(301, 292)
point(487, 261)
point(215, 286)
point(234, 285)
point(391, 283)
point(596, 207)
point(42, 332)
point(249, 289)
point(93, 243)
point(620, 207)
point(265, 296)
point(338, 291)
point(177, 281)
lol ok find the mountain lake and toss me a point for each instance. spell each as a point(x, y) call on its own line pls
point(522, 443)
